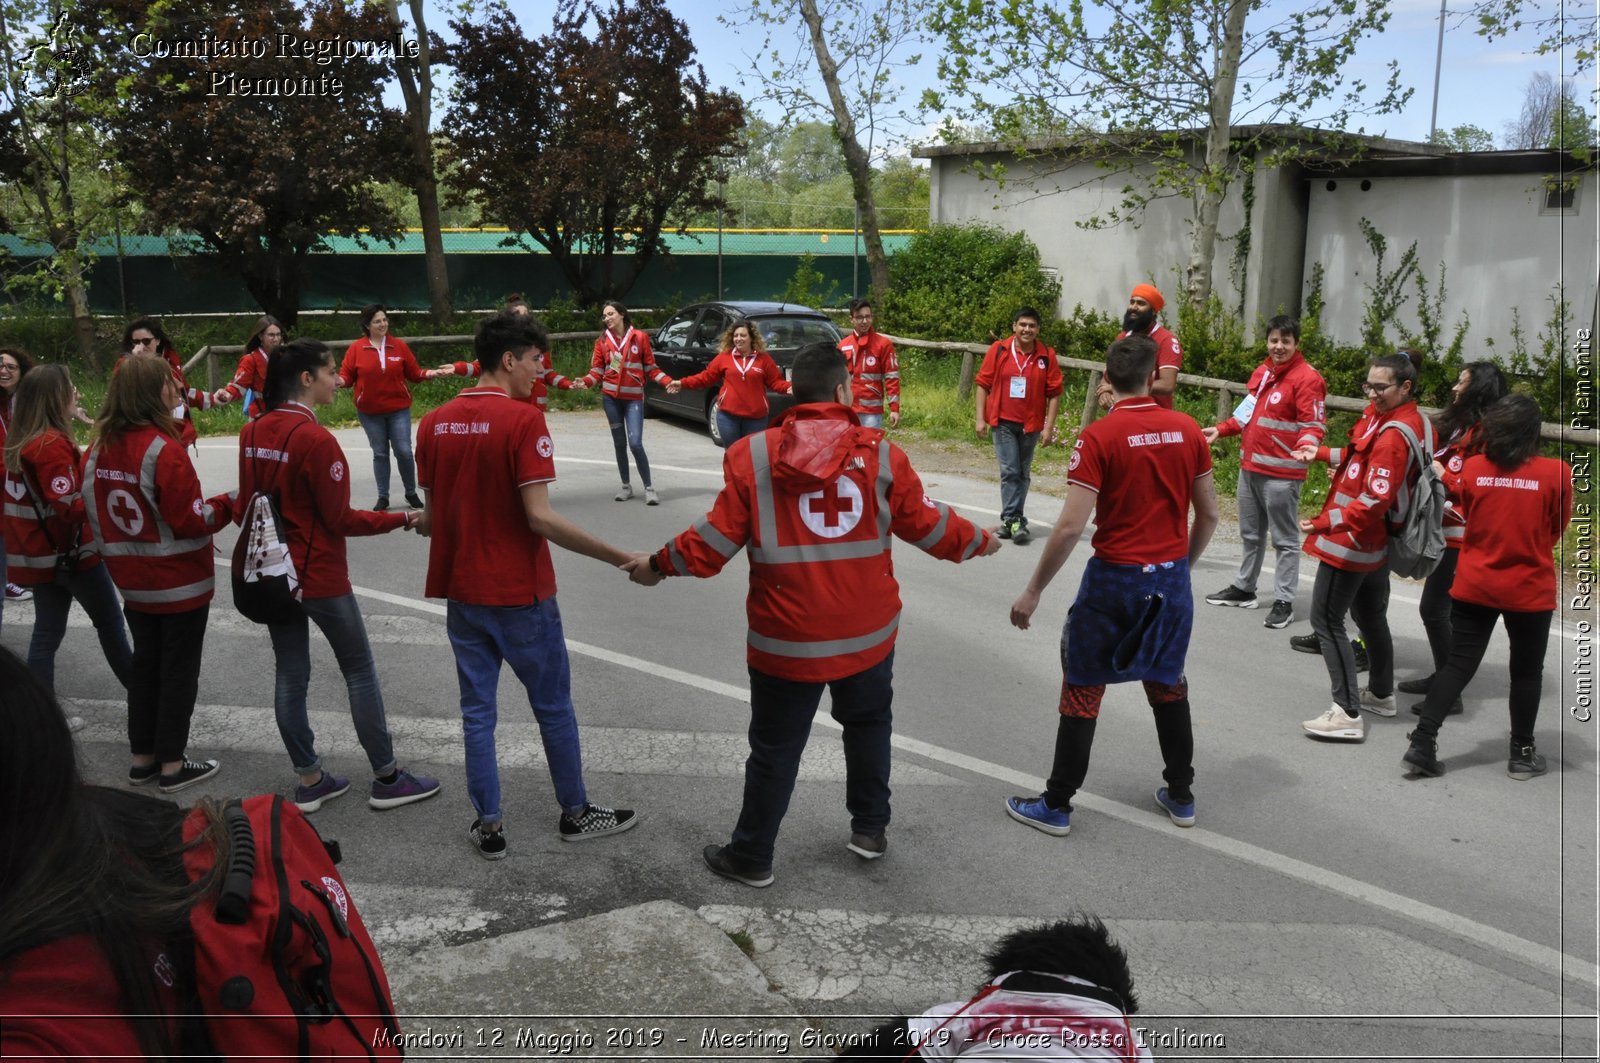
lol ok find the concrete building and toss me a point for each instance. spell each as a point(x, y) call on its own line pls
point(1511, 227)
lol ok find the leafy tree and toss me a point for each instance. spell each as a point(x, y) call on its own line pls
point(1568, 30)
point(1464, 138)
point(1551, 116)
point(808, 155)
point(964, 282)
point(591, 137)
point(261, 170)
point(57, 190)
point(1187, 91)
point(416, 86)
point(839, 60)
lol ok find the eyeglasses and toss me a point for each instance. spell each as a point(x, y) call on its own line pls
point(9, 367)
point(1376, 389)
point(140, 341)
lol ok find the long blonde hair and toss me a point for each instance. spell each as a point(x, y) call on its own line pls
point(758, 342)
point(44, 401)
point(133, 400)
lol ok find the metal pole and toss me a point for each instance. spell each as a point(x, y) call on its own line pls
point(855, 257)
point(1438, 64)
point(721, 193)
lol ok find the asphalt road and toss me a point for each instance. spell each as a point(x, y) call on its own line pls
point(1325, 905)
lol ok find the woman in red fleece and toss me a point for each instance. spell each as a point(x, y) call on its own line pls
point(746, 372)
point(251, 376)
point(1517, 504)
point(379, 366)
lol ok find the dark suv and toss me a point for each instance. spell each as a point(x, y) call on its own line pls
point(689, 340)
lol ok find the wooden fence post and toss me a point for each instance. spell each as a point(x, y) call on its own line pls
point(968, 371)
point(1091, 403)
point(1224, 404)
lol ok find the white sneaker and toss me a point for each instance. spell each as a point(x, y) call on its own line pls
point(1337, 725)
point(624, 494)
point(650, 497)
point(1370, 702)
point(75, 724)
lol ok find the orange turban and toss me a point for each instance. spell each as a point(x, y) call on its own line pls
point(1149, 294)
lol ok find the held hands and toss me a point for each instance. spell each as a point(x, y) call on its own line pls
point(674, 387)
point(1306, 526)
point(1209, 434)
point(580, 384)
point(447, 369)
point(1103, 395)
point(419, 521)
point(1306, 453)
point(992, 546)
point(1022, 609)
point(639, 571)
point(220, 397)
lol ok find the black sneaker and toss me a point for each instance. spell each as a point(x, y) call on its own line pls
point(1423, 756)
point(413, 500)
point(596, 822)
point(381, 504)
point(718, 860)
point(1231, 595)
point(491, 843)
point(1415, 686)
point(1525, 763)
point(1004, 531)
point(1279, 617)
point(868, 846)
point(1020, 533)
point(142, 776)
point(1456, 708)
point(1305, 644)
point(186, 776)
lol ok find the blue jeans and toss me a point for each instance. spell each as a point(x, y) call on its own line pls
point(386, 430)
point(732, 429)
point(340, 621)
point(781, 711)
point(531, 640)
point(630, 416)
point(1014, 449)
point(92, 589)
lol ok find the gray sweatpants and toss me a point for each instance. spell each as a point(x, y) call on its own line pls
point(1268, 502)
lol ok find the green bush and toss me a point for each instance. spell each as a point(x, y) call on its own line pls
point(963, 282)
point(1086, 334)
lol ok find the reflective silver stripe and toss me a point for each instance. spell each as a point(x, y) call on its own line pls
point(715, 539)
point(1277, 463)
point(169, 595)
point(765, 551)
point(26, 561)
point(929, 541)
point(629, 393)
point(1360, 556)
point(972, 547)
point(869, 401)
point(170, 548)
point(1335, 456)
point(91, 512)
point(833, 648)
point(165, 545)
point(1343, 498)
point(676, 558)
point(1306, 426)
point(1276, 425)
point(1455, 531)
point(1336, 516)
point(75, 496)
point(893, 374)
point(21, 512)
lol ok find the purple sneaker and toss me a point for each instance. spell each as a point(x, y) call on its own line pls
point(405, 789)
point(310, 798)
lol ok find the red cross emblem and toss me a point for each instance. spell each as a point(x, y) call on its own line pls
point(834, 510)
point(125, 512)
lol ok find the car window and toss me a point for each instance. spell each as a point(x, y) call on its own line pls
point(788, 333)
point(674, 335)
point(712, 326)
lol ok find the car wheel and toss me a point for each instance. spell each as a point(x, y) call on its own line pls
point(711, 420)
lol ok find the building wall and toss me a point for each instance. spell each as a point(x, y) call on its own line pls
point(1501, 250)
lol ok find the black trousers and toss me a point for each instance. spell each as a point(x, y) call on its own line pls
point(1472, 625)
point(1436, 605)
point(1365, 596)
point(164, 680)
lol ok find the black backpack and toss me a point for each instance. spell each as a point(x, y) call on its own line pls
point(266, 587)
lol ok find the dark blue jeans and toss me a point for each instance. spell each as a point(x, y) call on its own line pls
point(627, 433)
point(1013, 448)
point(781, 711)
point(732, 429)
point(386, 431)
point(92, 589)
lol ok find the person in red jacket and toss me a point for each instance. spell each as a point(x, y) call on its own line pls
point(1139, 471)
point(379, 366)
point(1369, 489)
point(143, 502)
point(548, 378)
point(145, 336)
point(288, 453)
point(1019, 392)
point(622, 360)
point(1479, 386)
point(46, 548)
point(746, 372)
point(1517, 504)
point(1285, 409)
point(14, 364)
point(874, 370)
point(1140, 320)
point(251, 376)
point(815, 499)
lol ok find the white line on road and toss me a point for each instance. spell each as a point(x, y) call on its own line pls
point(1531, 953)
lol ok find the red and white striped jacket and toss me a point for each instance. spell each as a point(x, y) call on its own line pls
point(1371, 483)
point(50, 473)
point(620, 366)
point(815, 500)
point(250, 376)
point(142, 499)
point(874, 372)
point(540, 396)
point(1289, 411)
point(1453, 455)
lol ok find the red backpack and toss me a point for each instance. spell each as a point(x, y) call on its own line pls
point(283, 965)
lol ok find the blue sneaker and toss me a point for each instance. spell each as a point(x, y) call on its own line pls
point(1040, 816)
point(310, 798)
point(405, 789)
point(1182, 813)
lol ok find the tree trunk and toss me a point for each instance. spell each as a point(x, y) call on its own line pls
point(855, 156)
point(82, 319)
point(416, 86)
point(1213, 184)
